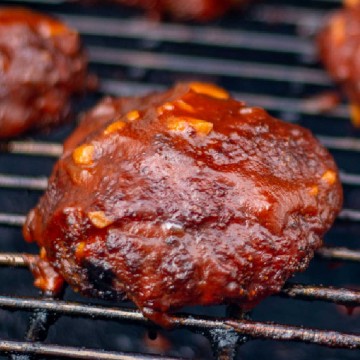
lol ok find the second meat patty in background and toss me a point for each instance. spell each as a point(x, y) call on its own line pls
point(42, 64)
point(339, 48)
point(186, 197)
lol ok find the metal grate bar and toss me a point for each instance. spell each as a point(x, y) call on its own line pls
point(308, 292)
point(16, 260)
point(35, 148)
point(349, 179)
point(70, 352)
point(340, 143)
point(203, 65)
point(311, 19)
point(243, 327)
point(127, 88)
point(12, 219)
point(339, 253)
point(19, 220)
point(349, 215)
point(200, 35)
point(290, 333)
point(40, 183)
point(23, 182)
point(329, 253)
point(292, 15)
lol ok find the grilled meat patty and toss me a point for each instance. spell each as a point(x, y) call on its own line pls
point(41, 65)
point(184, 197)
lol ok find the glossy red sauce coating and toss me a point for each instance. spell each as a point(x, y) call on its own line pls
point(185, 197)
point(339, 48)
point(41, 65)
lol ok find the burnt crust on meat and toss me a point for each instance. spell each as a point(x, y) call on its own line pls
point(339, 46)
point(185, 197)
point(42, 64)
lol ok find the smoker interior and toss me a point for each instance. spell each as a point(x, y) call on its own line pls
point(264, 56)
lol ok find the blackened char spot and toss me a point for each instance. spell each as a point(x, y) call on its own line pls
point(101, 279)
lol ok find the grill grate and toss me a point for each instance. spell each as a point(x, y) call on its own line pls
point(267, 59)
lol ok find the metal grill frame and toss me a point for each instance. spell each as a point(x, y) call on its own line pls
point(46, 310)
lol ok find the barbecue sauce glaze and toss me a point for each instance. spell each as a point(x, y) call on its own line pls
point(184, 197)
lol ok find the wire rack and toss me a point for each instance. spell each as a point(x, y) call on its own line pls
point(266, 59)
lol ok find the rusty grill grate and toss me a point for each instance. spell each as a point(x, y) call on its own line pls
point(267, 59)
